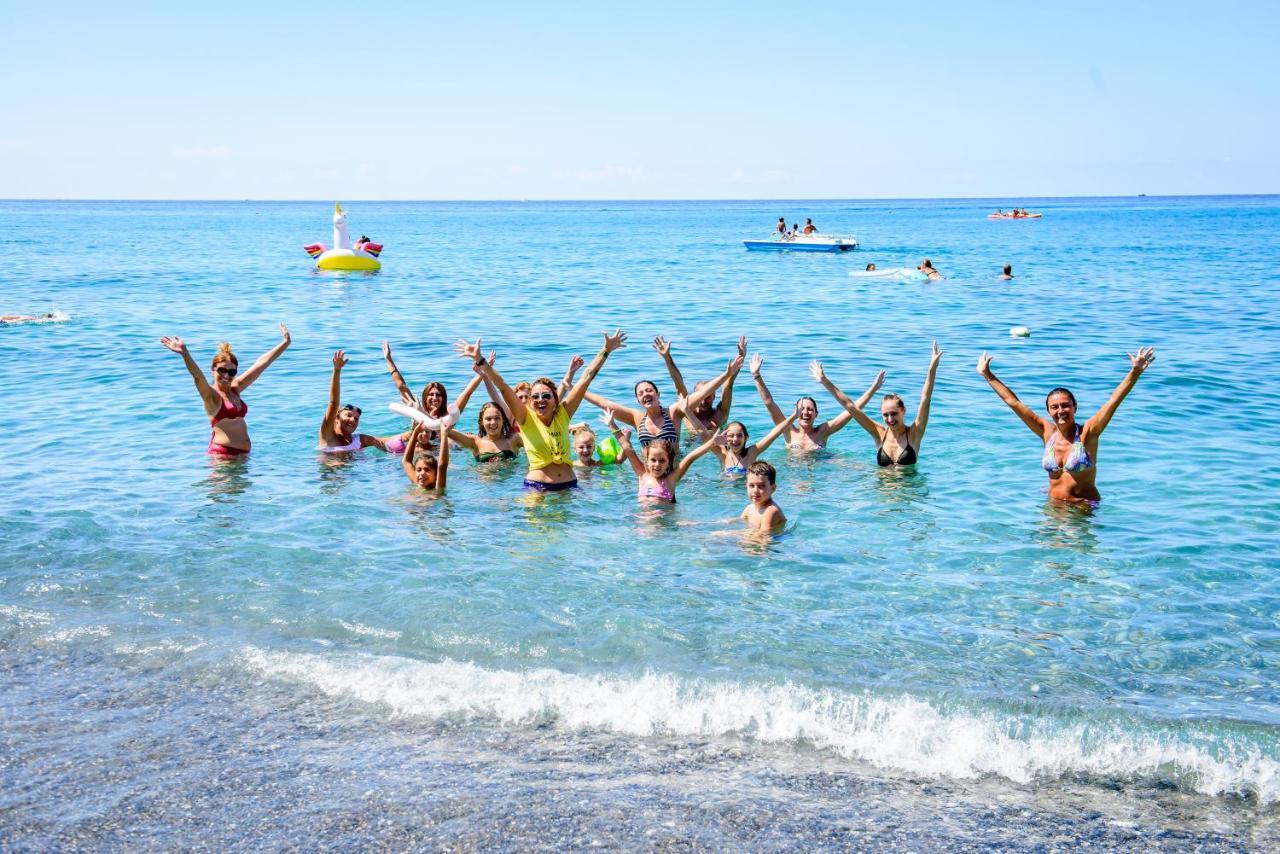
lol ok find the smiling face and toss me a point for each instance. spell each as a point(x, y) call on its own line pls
point(491, 421)
point(224, 374)
point(424, 471)
point(759, 489)
point(892, 411)
point(647, 394)
point(658, 460)
point(584, 445)
point(807, 409)
point(1062, 407)
point(348, 420)
point(736, 437)
point(433, 399)
point(542, 399)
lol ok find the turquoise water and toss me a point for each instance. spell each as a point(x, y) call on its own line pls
point(939, 654)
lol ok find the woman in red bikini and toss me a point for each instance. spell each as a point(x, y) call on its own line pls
point(222, 401)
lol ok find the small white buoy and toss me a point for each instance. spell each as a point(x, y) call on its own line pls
point(1020, 331)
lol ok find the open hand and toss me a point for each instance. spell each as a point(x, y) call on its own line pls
point(339, 359)
point(877, 382)
point(1142, 359)
point(662, 345)
point(386, 350)
point(756, 361)
point(742, 346)
point(616, 341)
point(735, 365)
point(174, 343)
point(467, 350)
point(816, 371)
point(575, 364)
point(984, 365)
point(936, 355)
point(284, 333)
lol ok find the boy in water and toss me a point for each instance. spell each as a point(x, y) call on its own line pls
point(762, 515)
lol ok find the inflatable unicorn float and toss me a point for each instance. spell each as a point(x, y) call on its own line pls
point(344, 256)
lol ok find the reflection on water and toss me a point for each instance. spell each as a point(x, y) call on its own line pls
point(228, 478)
point(1064, 525)
point(336, 472)
point(431, 513)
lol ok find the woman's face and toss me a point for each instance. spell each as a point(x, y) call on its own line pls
point(424, 473)
point(736, 437)
point(224, 374)
point(348, 421)
point(522, 394)
point(808, 413)
point(584, 446)
point(657, 462)
point(647, 395)
point(491, 422)
point(892, 412)
point(434, 399)
point(1061, 409)
point(543, 400)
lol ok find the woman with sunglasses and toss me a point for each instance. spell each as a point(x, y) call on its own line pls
point(222, 401)
point(338, 429)
point(544, 419)
point(897, 443)
point(806, 434)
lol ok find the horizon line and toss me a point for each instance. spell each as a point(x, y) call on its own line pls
point(326, 199)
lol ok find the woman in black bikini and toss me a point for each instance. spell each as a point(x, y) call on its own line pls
point(495, 438)
point(897, 443)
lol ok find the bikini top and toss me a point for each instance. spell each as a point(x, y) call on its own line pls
point(353, 445)
point(906, 456)
point(486, 456)
point(1077, 458)
point(658, 491)
point(229, 410)
point(667, 432)
point(738, 469)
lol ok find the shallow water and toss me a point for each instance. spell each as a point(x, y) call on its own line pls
point(933, 657)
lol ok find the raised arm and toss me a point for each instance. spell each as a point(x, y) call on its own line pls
point(567, 383)
point(463, 399)
point(623, 435)
point(690, 458)
point(701, 394)
point(851, 407)
point(208, 396)
point(726, 398)
point(410, 448)
point(1139, 362)
point(765, 396)
point(489, 372)
point(663, 346)
point(442, 464)
point(1034, 422)
point(466, 440)
point(926, 396)
point(406, 393)
point(699, 426)
point(624, 413)
point(762, 445)
point(335, 395)
point(573, 399)
point(247, 379)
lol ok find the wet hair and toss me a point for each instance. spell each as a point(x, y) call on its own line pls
point(760, 468)
point(521, 386)
point(1008, 269)
point(669, 447)
point(224, 354)
point(895, 398)
point(506, 422)
point(427, 457)
point(926, 263)
point(746, 434)
point(582, 429)
point(871, 266)
point(811, 400)
point(444, 404)
point(636, 390)
point(550, 384)
point(1060, 390)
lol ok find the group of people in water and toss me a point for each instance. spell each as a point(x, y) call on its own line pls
point(538, 418)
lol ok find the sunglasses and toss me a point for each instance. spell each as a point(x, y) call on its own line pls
point(226, 372)
point(357, 410)
point(541, 395)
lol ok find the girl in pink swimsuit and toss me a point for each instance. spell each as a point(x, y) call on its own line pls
point(658, 472)
point(221, 398)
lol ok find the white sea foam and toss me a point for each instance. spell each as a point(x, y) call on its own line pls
point(899, 732)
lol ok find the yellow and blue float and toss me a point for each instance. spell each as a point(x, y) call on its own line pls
point(344, 256)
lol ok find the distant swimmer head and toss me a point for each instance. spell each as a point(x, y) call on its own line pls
point(892, 409)
point(870, 267)
point(1007, 272)
point(806, 412)
point(926, 265)
point(647, 394)
point(1061, 404)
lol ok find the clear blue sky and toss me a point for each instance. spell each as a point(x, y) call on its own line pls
point(648, 100)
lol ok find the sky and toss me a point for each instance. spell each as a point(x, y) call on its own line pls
point(652, 100)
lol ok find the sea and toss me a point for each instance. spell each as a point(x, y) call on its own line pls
point(287, 651)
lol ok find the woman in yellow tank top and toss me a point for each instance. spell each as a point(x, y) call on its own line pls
point(544, 418)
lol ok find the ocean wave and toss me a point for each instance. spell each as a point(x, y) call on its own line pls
point(897, 732)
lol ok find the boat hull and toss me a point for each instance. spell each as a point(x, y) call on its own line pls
point(841, 245)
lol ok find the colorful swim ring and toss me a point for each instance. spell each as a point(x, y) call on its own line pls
point(343, 255)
